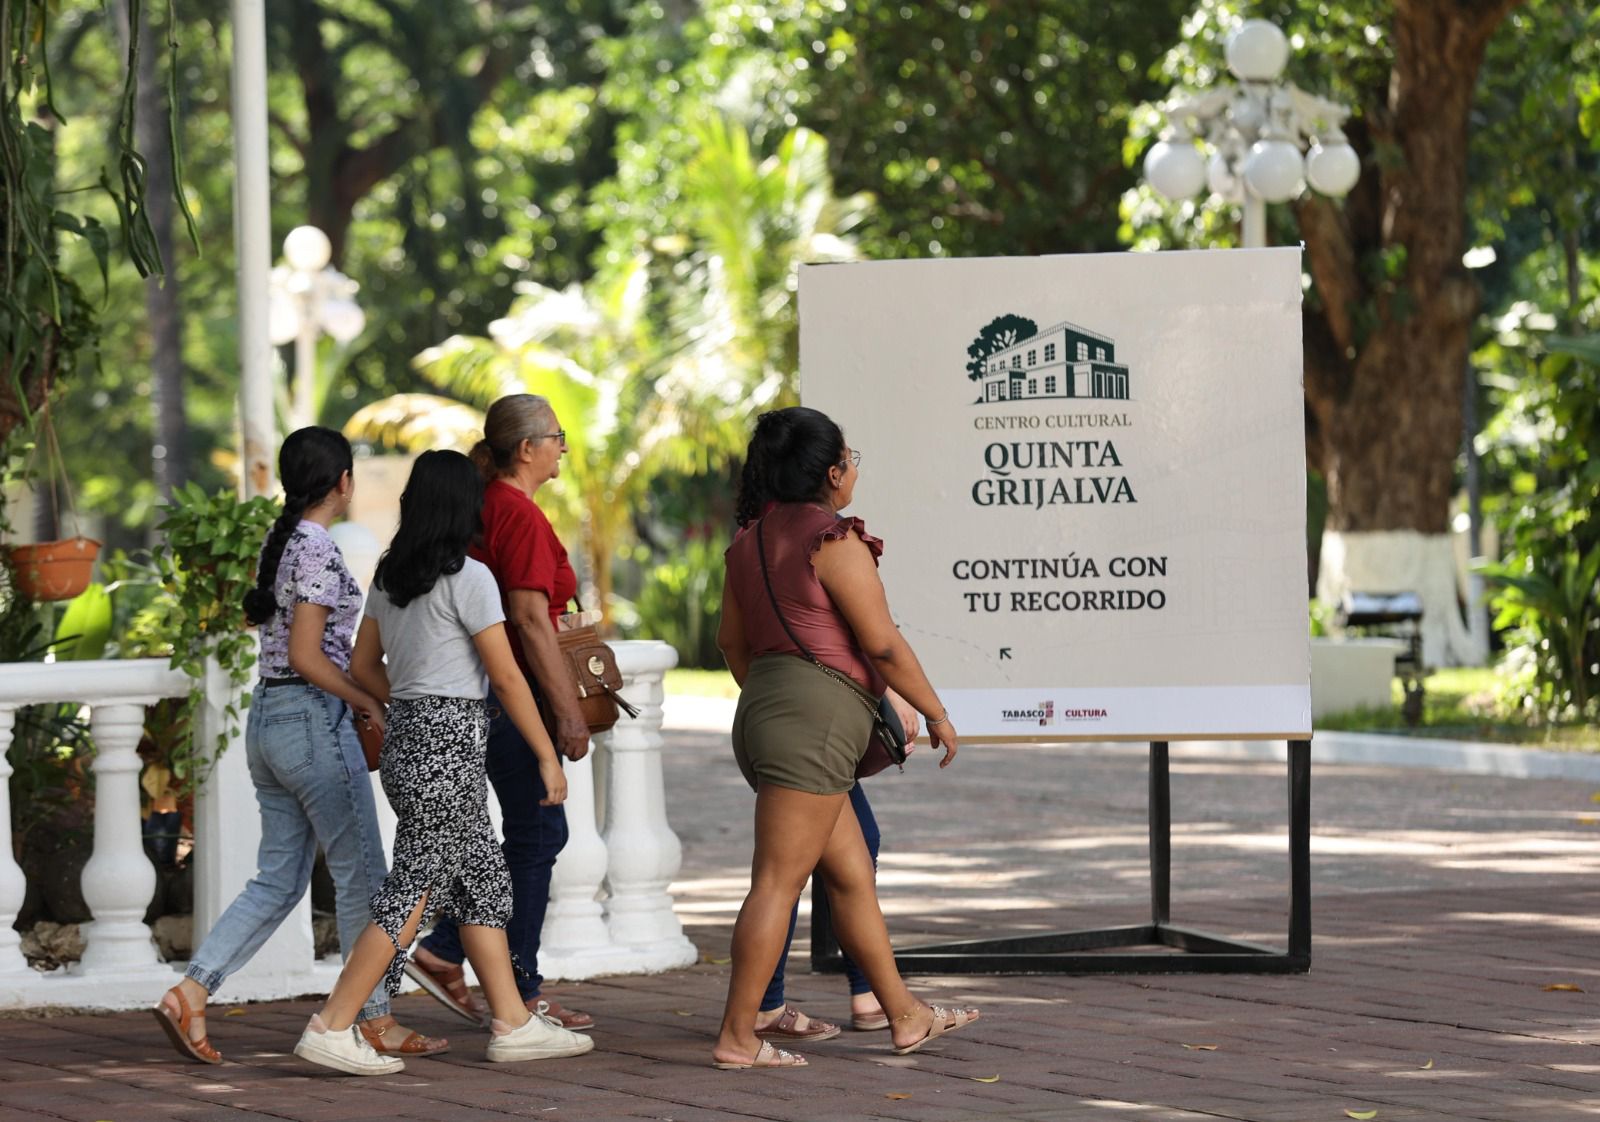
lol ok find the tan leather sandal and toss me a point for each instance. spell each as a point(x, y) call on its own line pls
point(414, 1044)
point(766, 1056)
point(944, 1020)
point(178, 1030)
point(448, 985)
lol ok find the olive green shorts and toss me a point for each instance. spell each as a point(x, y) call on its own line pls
point(797, 727)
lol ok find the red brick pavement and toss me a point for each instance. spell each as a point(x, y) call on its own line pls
point(1444, 906)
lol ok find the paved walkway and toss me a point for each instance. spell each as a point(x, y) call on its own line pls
point(1445, 907)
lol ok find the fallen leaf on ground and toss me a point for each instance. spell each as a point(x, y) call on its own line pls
point(718, 961)
point(1201, 1047)
point(683, 1012)
point(1586, 821)
point(986, 1079)
point(1363, 1115)
point(1427, 1065)
point(898, 1095)
point(1595, 798)
point(1563, 987)
point(234, 1012)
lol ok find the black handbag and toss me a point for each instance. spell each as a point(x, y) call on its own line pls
point(887, 744)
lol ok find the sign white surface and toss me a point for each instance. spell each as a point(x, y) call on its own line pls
point(1089, 472)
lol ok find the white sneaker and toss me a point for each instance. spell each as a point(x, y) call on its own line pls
point(541, 1038)
point(346, 1050)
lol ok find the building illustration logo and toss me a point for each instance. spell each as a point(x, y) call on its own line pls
point(1012, 360)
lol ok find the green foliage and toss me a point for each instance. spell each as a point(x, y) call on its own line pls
point(212, 544)
point(681, 602)
point(85, 625)
point(1546, 440)
point(998, 334)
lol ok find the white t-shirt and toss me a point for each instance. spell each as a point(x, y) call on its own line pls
point(428, 643)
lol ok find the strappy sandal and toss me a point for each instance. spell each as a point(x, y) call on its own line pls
point(944, 1020)
point(869, 1022)
point(783, 1028)
point(766, 1056)
point(415, 1044)
point(178, 1030)
point(447, 985)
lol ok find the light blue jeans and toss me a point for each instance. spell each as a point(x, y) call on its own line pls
point(312, 787)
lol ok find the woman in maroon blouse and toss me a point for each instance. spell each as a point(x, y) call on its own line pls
point(799, 731)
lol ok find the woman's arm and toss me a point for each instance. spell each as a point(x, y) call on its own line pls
point(366, 662)
point(307, 659)
point(730, 636)
point(528, 612)
point(850, 576)
point(505, 678)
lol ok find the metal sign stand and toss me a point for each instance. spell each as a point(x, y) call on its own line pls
point(1097, 951)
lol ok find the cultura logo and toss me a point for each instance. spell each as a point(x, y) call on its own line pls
point(1012, 360)
point(1084, 714)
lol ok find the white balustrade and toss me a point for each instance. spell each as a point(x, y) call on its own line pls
point(610, 910)
point(120, 968)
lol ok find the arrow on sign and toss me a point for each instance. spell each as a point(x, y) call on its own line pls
point(1005, 652)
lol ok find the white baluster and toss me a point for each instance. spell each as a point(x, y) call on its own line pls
point(644, 853)
point(574, 942)
point(13, 885)
point(119, 880)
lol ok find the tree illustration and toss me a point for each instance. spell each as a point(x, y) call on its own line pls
point(1000, 333)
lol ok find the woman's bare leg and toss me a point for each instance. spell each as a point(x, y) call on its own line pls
point(490, 956)
point(368, 961)
point(852, 887)
point(792, 829)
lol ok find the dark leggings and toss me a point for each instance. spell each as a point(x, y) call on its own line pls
point(858, 982)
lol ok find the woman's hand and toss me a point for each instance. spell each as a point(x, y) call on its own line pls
point(555, 783)
point(371, 711)
point(909, 718)
point(943, 735)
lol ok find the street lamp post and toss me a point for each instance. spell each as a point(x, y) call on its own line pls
point(1256, 130)
point(309, 298)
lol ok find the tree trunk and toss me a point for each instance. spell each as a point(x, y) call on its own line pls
point(1384, 400)
point(169, 453)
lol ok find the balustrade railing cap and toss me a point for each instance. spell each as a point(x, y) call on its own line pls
point(106, 681)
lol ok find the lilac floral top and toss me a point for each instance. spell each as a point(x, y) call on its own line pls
point(311, 571)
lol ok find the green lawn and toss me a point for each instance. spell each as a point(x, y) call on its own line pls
point(1460, 704)
point(701, 683)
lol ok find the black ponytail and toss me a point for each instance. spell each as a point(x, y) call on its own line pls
point(310, 464)
point(788, 459)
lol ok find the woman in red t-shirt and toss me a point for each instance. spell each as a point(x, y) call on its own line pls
point(521, 452)
point(799, 575)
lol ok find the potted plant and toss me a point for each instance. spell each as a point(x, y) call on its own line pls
point(61, 569)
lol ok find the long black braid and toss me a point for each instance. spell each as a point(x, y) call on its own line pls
point(788, 459)
point(310, 464)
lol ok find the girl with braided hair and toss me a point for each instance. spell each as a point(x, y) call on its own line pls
point(305, 759)
point(800, 573)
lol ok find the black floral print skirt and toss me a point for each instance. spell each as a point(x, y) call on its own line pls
point(432, 769)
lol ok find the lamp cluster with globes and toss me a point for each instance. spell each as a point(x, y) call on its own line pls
point(1267, 138)
point(307, 298)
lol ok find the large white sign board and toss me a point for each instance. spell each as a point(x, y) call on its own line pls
point(1090, 474)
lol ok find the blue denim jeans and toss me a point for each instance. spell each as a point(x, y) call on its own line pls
point(312, 787)
point(534, 838)
point(773, 999)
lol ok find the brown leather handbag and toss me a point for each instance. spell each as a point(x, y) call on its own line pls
point(593, 667)
point(371, 739)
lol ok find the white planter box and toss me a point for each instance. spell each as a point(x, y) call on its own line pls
point(1352, 674)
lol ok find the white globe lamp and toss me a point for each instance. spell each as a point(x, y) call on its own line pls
point(1274, 170)
point(307, 249)
point(1257, 51)
point(343, 319)
point(1333, 168)
point(1175, 168)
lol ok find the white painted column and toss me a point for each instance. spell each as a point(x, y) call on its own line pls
point(643, 852)
point(253, 244)
point(575, 942)
point(119, 880)
point(13, 885)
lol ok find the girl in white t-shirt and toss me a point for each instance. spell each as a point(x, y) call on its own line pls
point(436, 614)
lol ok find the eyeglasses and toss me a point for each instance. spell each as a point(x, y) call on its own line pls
point(559, 434)
point(851, 457)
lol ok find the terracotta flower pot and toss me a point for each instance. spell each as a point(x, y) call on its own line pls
point(54, 570)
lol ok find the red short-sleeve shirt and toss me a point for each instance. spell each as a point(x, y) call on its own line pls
point(522, 551)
